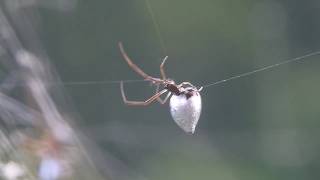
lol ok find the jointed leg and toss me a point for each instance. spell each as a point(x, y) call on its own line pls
point(163, 74)
point(165, 99)
point(140, 103)
point(131, 64)
point(189, 84)
point(159, 98)
point(186, 83)
point(135, 67)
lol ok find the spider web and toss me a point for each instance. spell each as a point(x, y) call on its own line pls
point(157, 29)
point(32, 98)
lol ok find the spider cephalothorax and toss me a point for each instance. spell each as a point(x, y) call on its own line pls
point(185, 99)
point(173, 88)
point(187, 91)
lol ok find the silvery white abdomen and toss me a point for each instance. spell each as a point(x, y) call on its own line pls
point(186, 111)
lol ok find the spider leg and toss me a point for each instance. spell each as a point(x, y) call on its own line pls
point(189, 84)
point(135, 67)
point(163, 74)
point(159, 98)
point(140, 103)
point(165, 99)
point(186, 83)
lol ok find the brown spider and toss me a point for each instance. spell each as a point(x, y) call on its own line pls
point(185, 101)
point(185, 88)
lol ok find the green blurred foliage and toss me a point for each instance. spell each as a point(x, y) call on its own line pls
point(263, 126)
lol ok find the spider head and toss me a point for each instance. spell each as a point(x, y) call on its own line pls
point(172, 87)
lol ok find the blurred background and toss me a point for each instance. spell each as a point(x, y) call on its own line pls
point(263, 126)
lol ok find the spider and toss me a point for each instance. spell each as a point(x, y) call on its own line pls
point(185, 99)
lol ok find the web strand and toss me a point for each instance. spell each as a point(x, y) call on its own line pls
point(83, 83)
point(300, 58)
point(73, 83)
point(156, 26)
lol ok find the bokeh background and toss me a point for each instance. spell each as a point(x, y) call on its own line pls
point(263, 126)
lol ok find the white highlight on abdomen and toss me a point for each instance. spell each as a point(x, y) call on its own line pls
point(186, 112)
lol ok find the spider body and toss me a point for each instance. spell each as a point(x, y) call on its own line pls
point(173, 89)
point(185, 109)
point(185, 99)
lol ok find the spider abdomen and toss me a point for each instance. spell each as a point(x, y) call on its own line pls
point(185, 110)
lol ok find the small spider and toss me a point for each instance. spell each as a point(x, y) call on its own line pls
point(185, 101)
